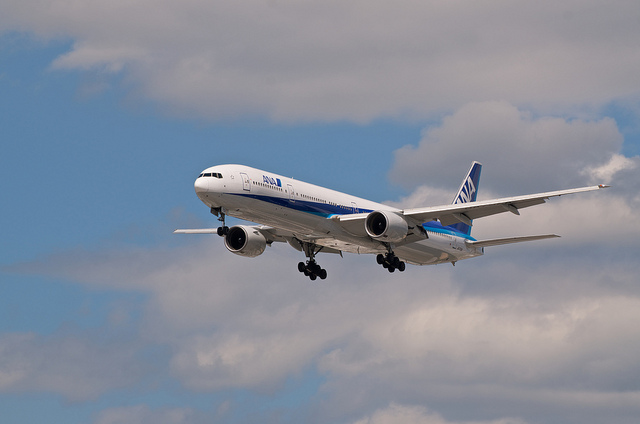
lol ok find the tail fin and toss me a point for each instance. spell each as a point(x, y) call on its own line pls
point(467, 193)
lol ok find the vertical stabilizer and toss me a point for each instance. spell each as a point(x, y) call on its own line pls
point(467, 193)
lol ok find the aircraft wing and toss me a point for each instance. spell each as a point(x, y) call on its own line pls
point(465, 212)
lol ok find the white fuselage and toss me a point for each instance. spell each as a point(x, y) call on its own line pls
point(306, 210)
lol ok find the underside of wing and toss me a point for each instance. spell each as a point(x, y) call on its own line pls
point(355, 225)
point(466, 212)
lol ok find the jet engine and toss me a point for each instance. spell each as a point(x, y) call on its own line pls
point(245, 241)
point(386, 226)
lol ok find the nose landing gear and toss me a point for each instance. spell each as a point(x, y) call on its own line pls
point(223, 230)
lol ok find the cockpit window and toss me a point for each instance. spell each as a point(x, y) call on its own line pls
point(210, 174)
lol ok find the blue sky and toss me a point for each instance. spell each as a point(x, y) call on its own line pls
point(109, 112)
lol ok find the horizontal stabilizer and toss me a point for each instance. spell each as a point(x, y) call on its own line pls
point(198, 231)
point(508, 240)
point(270, 234)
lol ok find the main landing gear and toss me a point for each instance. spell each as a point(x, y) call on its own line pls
point(311, 269)
point(223, 230)
point(391, 262)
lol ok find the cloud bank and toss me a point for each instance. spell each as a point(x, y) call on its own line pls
point(354, 61)
point(507, 337)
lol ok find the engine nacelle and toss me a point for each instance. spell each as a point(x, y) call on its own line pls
point(245, 241)
point(386, 226)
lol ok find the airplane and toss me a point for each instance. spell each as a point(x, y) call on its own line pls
point(314, 219)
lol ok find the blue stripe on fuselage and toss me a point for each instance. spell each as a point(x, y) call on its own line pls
point(325, 210)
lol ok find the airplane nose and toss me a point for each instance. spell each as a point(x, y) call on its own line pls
point(201, 185)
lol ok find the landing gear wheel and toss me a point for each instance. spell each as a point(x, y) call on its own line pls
point(222, 230)
point(312, 270)
point(390, 262)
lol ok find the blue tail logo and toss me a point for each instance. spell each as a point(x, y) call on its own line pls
point(467, 193)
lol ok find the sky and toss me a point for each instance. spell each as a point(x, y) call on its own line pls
point(109, 110)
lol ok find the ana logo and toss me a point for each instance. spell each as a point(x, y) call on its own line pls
point(272, 181)
point(467, 191)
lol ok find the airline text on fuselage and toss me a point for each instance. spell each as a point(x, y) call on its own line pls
point(273, 181)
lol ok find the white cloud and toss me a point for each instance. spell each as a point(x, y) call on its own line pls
point(352, 61)
point(425, 195)
point(475, 340)
point(142, 414)
point(606, 172)
point(402, 414)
